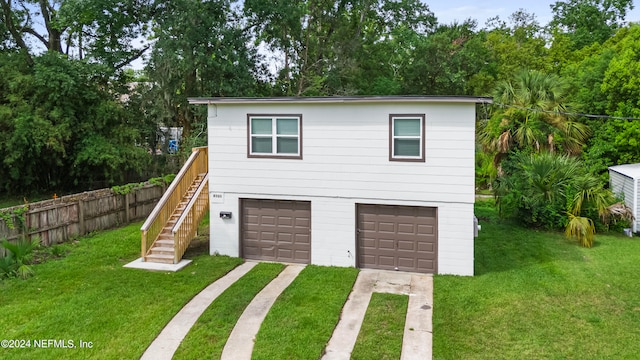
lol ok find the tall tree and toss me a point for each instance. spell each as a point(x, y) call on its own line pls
point(338, 47)
point(200, 49)
point(589, 21)
point(517, 45)
point(606, 83)
point(61, 127)
point(450, 61)
point(102, 29)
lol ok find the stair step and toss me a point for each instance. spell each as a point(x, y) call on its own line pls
point(166, 259)
point(161, 250)
point(165, 242)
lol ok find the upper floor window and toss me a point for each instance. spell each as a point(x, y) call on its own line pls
point(406, 137)
point(277, 136)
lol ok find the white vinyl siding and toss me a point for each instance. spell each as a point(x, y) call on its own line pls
point(346, 154)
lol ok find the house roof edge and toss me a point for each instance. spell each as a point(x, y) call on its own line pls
point(340, 99)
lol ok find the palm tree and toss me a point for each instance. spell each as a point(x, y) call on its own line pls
point(531, 116)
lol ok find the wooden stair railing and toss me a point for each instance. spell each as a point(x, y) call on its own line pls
point(197, 164)
point(186, 228)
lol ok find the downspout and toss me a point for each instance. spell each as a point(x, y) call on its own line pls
point(635, 204)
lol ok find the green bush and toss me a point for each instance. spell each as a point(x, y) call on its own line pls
point(555, 191)
point(16, 262)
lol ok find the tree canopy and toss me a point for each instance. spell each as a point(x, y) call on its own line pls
point(74, 114)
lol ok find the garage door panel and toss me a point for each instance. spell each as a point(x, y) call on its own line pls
point(285, 253)
point(424, 229)
point(276, 230)
point(406, 237)
point(302, 239)
point(285, 240)
point(404, 228)
point(285, 221)
point(406, 245)
point(369, 243)
point(386, 261)
point(426, 247)
point(426, 264)
point(251, 250)
point(387, 244)
point(397, 237)
point(407, 262)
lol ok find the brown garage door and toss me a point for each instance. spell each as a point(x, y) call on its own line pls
point(276, 230)
point(397, 238)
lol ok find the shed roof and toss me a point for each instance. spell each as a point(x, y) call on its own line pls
point(630, 170)
point(342, 99)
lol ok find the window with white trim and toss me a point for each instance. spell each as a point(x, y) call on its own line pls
point(275, 136)
point(406, 137)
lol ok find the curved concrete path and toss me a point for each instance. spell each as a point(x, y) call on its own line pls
point(239, 346)
point(166, 344)
point(417, 339)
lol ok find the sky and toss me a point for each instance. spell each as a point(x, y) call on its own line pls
point(448, 11)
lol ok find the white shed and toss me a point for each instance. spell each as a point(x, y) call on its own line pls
point(623, 180)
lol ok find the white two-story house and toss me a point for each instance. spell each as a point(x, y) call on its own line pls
point(369, 182)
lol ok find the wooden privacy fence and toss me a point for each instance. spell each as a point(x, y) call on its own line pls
point(57, 220)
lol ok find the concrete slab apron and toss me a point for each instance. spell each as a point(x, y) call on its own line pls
point(166, 344)
point(239, 346)
point(417, 333)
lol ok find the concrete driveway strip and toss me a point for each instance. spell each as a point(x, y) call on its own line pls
point(239, 346)
point(418, 327)
point(166, 344)
point(416, 341)
point(346, 332)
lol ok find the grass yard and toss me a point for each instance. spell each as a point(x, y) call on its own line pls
point(89, 296)
point(537, 295)
point(207, 337)
point(381, 333)
point(302, 319)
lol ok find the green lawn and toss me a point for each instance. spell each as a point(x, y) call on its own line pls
point(89, 296)
point(381, 333)
point(537, 295)
point(302, 319)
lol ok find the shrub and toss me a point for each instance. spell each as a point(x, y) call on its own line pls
point(555, 191)
point(16, 262)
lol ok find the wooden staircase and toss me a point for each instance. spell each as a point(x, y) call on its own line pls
point(173, 223)
point(163, 249)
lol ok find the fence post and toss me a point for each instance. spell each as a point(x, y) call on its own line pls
point(80, 217)
point(126, 209)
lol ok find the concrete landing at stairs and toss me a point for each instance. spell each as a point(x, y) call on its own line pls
point(155, 266)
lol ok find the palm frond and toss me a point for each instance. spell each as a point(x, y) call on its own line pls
point(581, 229)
